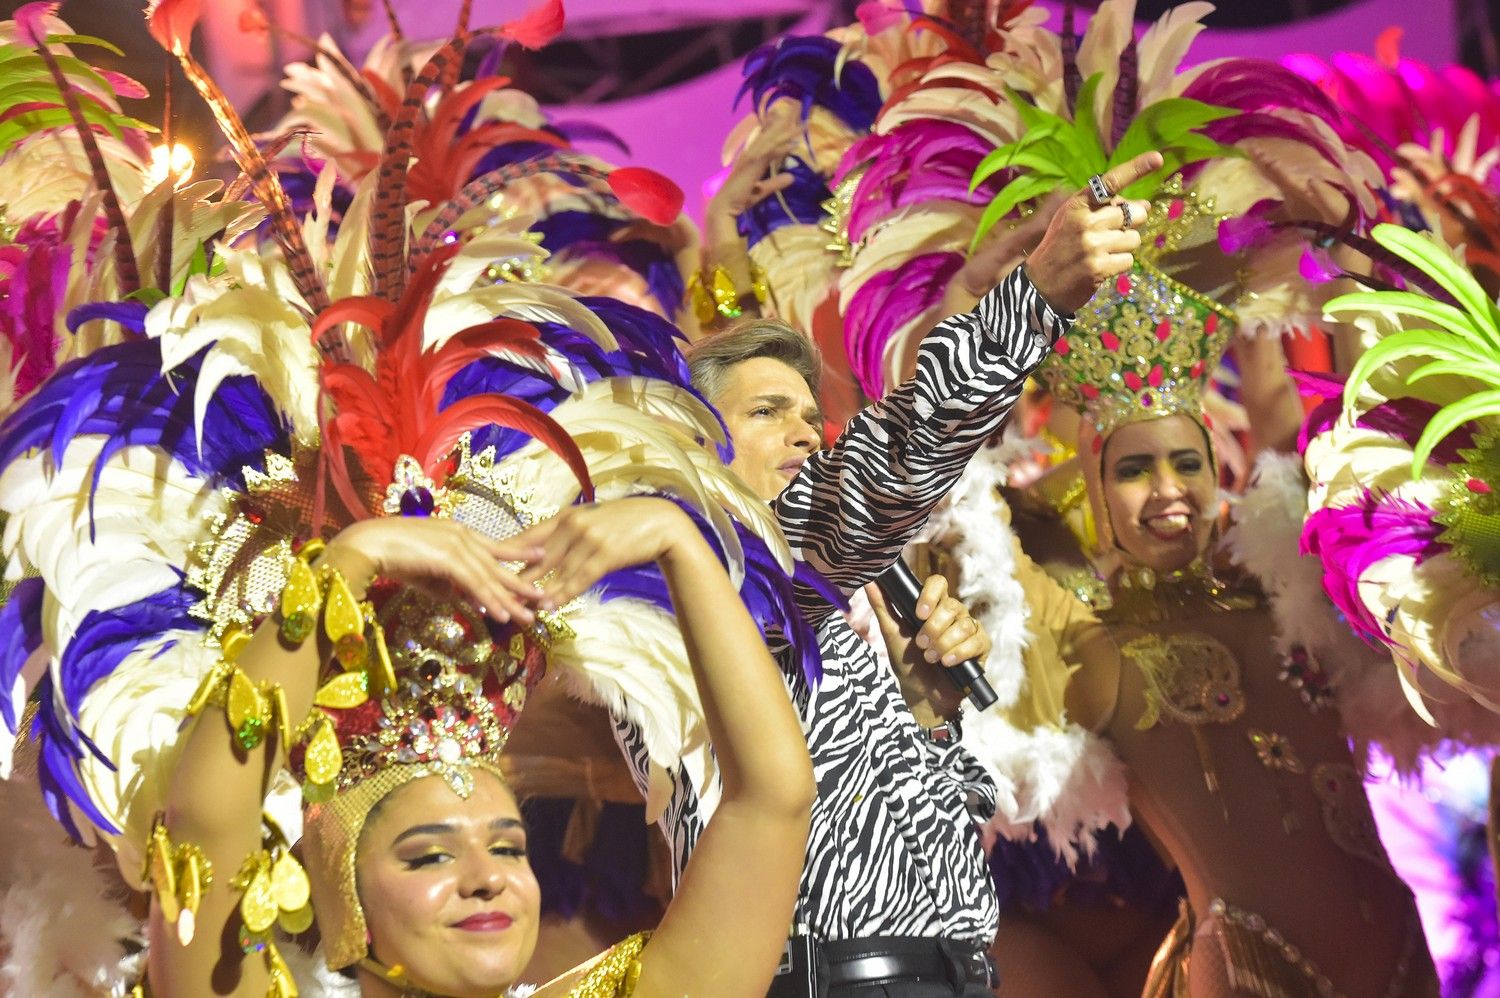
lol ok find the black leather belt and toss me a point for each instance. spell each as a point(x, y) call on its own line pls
point(884, 959)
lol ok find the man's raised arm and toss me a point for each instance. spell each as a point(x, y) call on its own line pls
point(856, 505)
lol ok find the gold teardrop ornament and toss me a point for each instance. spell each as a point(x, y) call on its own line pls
point(289, 884)
point(344, 623)
point(323, 758)
point(346, 690)
point(258, 904)
point(300, 602)
point(249, 711)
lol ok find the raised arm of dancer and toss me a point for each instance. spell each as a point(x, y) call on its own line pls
point(1268, 393)
point(217, 788)
point(751, 179)
point(856, 504)
point(725, 927)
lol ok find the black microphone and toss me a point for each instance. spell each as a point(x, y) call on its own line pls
point(901, 589)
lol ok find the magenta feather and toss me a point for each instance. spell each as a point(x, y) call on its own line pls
point(887, 301)
point(1349, 540)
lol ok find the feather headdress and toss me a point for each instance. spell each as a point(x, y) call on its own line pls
point(1433, 131)
point(153, 488)
point(1404, 469)
point(1046, 110)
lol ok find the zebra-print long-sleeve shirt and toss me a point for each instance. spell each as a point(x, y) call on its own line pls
point(893, 849)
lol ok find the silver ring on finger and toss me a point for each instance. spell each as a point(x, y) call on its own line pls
point(1125, 213)
point(1099, 191)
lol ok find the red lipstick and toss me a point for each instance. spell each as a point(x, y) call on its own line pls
point(489, 921)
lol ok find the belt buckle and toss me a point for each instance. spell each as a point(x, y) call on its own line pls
point(969, 965)
point(987, 969)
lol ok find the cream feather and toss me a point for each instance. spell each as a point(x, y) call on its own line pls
point(801, 270)
point(1109, 31)
point(1165, 44)
point(253, 323)
point(627, 656)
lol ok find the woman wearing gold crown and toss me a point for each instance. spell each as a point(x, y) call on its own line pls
point(290, 553)
point(1239, 765)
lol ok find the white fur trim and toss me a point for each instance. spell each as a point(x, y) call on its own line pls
point(62, 918)
point(1059, 775)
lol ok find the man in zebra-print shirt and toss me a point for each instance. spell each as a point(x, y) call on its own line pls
point(893, 850)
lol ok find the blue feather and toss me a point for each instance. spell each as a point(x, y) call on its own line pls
point(21, 632)
point(120, 393)
point(58, 753)
point(801, 68)
point(799, 204)
point(129, 314)
point(105, 638)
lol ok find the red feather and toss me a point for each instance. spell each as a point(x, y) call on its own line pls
point(365, 310)
point(388, 100)
point(450, 111)
point(647, 193)
point(537, 27)
point(500, 410)
point(172, 22)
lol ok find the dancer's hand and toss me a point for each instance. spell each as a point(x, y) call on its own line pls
point(1086, 244)
point(584, 543)
point(747, 183)
point(441, 556)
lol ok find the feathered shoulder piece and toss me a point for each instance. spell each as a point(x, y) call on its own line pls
point(153, 489)
point(1404, 462)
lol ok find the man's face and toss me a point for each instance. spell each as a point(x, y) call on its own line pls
point(773, 420)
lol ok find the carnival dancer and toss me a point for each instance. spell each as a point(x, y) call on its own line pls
point(193, 517)
point(1234, 721)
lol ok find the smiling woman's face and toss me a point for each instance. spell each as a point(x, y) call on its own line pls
point(447, 891)
point(1160, 491)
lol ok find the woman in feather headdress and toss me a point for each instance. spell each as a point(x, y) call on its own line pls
point(1071, 107)
point(1231, 698)
point(603, 871)
point(290, 501)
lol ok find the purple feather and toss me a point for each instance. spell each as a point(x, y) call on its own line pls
point(129, 314)
point(587, 234)
point(59, 750)
point(799, 204)
point(801, 68)
point(120, 392)
point(768, 594)
point(588, 131)
point(105, 638)
point(21, 631)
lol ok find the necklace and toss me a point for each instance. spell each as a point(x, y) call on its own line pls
point(1145, 596)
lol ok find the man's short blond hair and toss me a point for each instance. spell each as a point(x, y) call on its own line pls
point(711, 358)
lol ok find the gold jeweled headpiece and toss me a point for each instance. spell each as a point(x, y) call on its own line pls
point(1144, 346)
